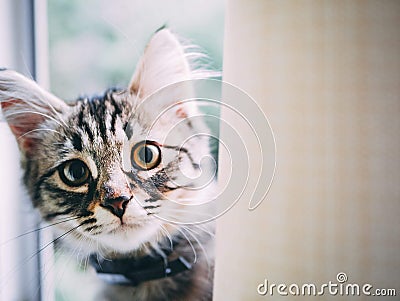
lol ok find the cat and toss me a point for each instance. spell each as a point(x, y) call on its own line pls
point(99, 169)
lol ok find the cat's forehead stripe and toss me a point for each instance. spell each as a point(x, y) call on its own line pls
point(77, 141)
point(98, 116)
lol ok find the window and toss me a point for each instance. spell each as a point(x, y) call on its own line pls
point(74, 47)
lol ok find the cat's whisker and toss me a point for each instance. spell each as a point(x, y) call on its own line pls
point(170, 212)
point(27, 259)
point(165, 230)
point(56, 239)
point(79, 253)
point(44, 101)
point(204, 230)
point(38, 130)
point(55, 112)
point(100, 254)
point(158, 237)
point(27, 69)
point(78, 250)
point(71, 256)
point(191, 232)
point(37, 229)
point(33, 112)
point(188, 240)
point(91, 243)
point(53, 265)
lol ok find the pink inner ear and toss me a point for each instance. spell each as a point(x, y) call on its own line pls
point(181, 113)
point(9, 103)
point(21, 124)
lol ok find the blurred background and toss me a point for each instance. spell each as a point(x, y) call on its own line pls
point(109, 37)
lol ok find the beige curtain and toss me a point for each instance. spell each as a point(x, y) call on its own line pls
point(327, 75)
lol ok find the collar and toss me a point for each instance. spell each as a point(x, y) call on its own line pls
point(133, 271)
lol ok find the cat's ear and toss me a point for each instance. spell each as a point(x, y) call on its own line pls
point(26, 107)
point(163, 63)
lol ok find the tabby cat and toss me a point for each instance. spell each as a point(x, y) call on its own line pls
point(105, 170)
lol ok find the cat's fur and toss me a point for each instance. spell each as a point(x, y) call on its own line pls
point(96, 131)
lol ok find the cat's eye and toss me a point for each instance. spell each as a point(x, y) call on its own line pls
point(74, 173)
point(145, 155)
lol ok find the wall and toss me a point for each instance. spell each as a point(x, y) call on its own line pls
point(327, 74)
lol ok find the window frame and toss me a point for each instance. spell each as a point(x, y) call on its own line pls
point(23, 274)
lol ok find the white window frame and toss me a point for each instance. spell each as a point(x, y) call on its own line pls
point(24, 48)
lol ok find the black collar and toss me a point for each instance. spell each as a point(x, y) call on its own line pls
point(133, 271)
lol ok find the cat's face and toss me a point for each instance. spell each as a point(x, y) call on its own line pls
point(107, 164)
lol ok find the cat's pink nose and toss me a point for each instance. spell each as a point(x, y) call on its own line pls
point(117, 205)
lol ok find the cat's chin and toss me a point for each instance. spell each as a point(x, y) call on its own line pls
point(126, 238)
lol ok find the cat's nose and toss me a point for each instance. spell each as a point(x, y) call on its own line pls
point(117, 205)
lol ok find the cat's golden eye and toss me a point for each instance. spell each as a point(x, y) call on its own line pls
point(74, 173)
point(145, 155)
